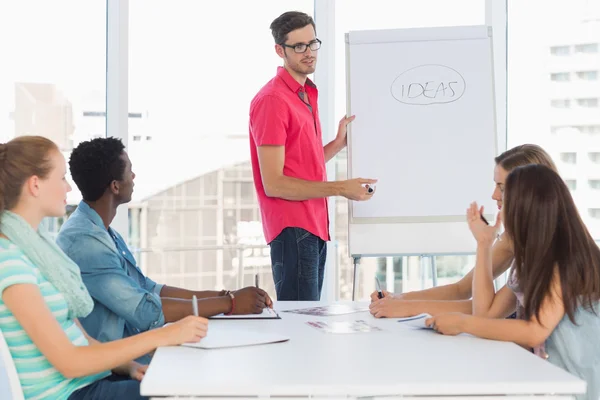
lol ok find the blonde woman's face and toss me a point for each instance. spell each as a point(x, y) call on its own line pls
point(500, 175)
point(54, 188)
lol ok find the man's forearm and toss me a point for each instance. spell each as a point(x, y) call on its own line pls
point(176, 309)
point(179, 293)
point(295, 189)
point(332, 148)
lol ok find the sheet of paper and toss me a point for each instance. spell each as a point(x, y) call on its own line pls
point(230, 335)
point(327, 311)
point(358, 326)
point(417, 321)
point(268, 313)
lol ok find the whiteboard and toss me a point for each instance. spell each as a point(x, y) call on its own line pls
point(425, 128)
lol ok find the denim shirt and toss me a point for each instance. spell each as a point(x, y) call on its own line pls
point(125, 301)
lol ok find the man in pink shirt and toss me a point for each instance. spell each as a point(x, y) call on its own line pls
point(288, 163)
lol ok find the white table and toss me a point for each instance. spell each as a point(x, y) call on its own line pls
point(397, 361)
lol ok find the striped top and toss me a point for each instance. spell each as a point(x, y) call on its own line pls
point(39, 379)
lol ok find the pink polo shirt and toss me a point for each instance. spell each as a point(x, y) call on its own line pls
point(279, 117)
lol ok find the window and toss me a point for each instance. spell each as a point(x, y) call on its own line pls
point(586, 48)
point(530, 120)
point(390, 14)
point(560, 77)
point(594, 213)
point(591, 129)
point(587, 75)
point(180, 84)
point(561, 129)
point(560, 50)
point(568, 158)
point(594, 184)
point(590, 103)
point(560, 103)
point(54, 72)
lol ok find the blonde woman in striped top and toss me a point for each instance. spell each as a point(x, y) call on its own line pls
point(42, 295)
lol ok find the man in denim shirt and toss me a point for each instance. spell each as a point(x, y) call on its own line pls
point(125, 301)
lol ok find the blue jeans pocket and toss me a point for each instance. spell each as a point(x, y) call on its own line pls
point(277, 264)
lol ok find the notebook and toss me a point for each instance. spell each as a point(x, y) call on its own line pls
point(268, 313)
point(227, 336)
point(418, 321)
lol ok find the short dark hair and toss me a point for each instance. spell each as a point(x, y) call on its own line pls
point(287, 22)
point(95, 164)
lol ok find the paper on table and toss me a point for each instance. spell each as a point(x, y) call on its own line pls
point(417, 321)
point(358, 326)
point(226, 335)
point(330, 310)
point(268, 313)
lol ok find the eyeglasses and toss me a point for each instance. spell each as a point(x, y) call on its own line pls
point(301, 47)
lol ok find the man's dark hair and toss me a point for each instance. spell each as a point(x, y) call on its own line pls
point(95, 164)
point(287, 22)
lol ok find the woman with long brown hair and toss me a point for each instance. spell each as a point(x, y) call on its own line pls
point(455, 297)
point(554, 281)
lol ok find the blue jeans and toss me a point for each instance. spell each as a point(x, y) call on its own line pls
point(298, 263)
point(114, 387)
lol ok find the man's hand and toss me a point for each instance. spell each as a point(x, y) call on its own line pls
point(358, 189)
point(251, 300)
point(136, 370)
point(342, 133)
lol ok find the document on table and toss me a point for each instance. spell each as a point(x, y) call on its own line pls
point(268, 313)
point(358, 326)
point(328, 311)
point(230, 335)
point(417, 321)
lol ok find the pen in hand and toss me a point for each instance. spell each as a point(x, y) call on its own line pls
point(256, 280)
point(195, 305)
point(483, 219)
point(378, 288)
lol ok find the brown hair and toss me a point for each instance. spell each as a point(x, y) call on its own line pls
point(287, 22)
point(524, 155)
point(20, 159)
point(549, 236)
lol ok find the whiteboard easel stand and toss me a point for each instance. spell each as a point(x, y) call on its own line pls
point(424, 259)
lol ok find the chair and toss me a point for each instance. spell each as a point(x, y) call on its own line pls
point(14, 384)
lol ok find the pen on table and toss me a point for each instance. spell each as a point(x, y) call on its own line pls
point(195, 305)
point(378, 287)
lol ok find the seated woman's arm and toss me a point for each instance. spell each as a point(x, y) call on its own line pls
point(131, 368)
point(442, 299)
point(502, 255)
point(527, 333)
point(76, 361)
